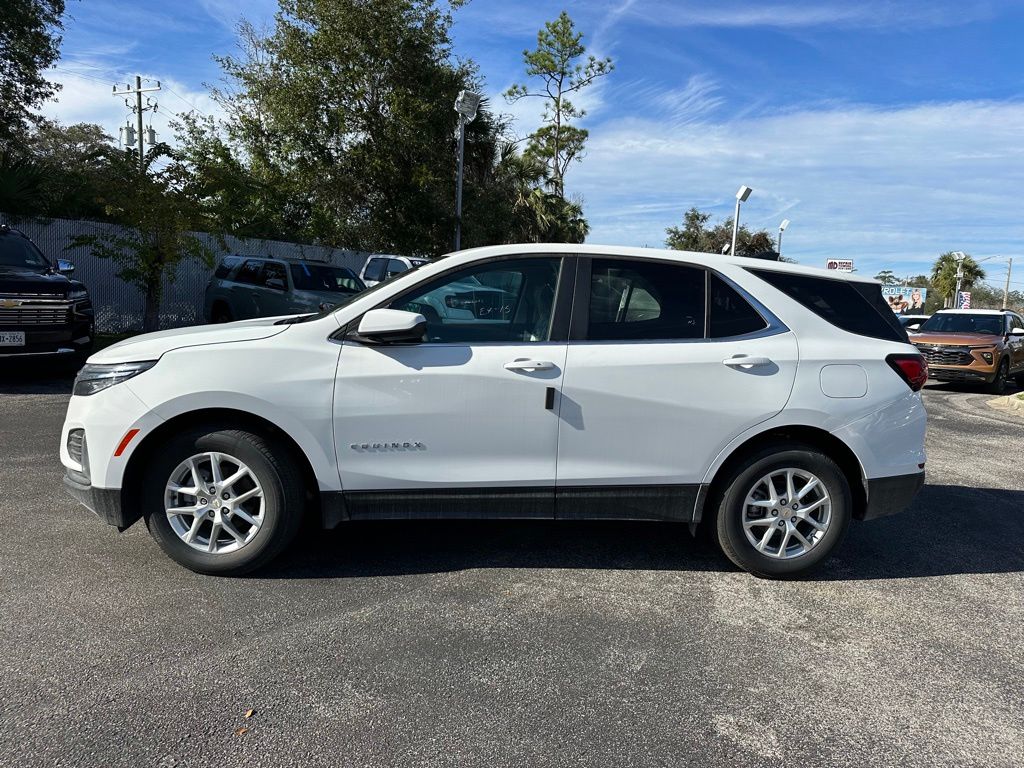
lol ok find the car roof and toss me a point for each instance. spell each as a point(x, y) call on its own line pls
point(973, 311)
point(286, 259)
point(708, 259)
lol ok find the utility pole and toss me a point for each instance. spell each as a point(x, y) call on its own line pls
point(960, 256)
point(1006, 289)
point(138, 109)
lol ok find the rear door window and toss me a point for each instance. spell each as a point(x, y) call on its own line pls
point(729, 314)
point(645, 301)
point(852, 306)
point(272, 270)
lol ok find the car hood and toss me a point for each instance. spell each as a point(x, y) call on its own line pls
point(150, 346)
point(41, 283)
point(959, 339)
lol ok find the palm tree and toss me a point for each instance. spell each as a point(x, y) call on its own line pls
point(944, 275)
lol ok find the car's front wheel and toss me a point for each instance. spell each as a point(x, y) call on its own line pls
point(222, 501)
point(998, 384)
point(783, 512)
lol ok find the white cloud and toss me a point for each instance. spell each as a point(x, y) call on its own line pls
point(882, 186)
point(742, 13)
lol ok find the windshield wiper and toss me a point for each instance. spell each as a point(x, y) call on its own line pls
point(296, 319)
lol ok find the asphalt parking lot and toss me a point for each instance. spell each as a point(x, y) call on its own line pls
point(539, 644)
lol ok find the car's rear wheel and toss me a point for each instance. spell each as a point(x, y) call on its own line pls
point(221, 314)
point(222, 502)
point(783, 511)
point(998, 384)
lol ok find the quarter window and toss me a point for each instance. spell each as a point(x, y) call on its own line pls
point(396, 267)
point(375, 269)
point(636, 300)
point(503, 301)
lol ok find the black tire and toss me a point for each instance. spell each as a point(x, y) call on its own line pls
point(998, 385)
point(283, 494)
point(729, 510)
point(221, 314)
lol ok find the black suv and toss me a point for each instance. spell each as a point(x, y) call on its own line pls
point(43, 312)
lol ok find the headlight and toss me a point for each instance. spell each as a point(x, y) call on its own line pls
point(78, 295)
point(95, 378)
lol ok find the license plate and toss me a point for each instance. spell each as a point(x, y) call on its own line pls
point(12, 338)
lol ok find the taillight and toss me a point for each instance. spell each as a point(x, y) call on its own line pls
point(913, 369)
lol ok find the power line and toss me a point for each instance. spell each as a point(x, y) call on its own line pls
point(182, 98)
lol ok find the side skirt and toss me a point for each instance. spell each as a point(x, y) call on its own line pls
point(678, 503)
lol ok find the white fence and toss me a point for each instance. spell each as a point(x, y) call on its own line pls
point(119, 306)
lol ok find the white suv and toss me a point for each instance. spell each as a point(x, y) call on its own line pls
point(771, 402)
point(381, 267)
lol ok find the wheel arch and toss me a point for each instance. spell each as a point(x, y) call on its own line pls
point(226, 418)
point(814, 437)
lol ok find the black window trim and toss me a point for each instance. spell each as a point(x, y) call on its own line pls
point(580, 317)
point(560, 312)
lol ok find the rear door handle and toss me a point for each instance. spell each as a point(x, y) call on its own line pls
point(742, 361)
point(529, 365)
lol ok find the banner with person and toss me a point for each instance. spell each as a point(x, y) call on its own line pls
point(905, 299)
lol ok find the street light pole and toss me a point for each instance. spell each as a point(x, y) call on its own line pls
point(741, 197)
point(782, 228)
point(1006, 289)
point(466, 104)
point(959, 256)
point(458, 184)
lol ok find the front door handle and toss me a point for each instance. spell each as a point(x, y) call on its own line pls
point(742, 361)
point(529, 365)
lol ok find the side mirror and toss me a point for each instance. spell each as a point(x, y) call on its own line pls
point(392, 326)
point(65, 267)
point(1017, 332)
point(914, 327)
point(276, 283)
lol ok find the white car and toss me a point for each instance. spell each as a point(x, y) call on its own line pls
point(382, 266)
point(771, 402)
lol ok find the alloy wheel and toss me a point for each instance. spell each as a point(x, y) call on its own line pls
point(786, 513)
point(214, 503)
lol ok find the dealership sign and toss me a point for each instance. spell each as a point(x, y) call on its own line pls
point(905, 300)
point(842, 265)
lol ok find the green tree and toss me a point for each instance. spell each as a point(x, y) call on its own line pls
point(698, 234)
point(886, 277)
point(157, 218)
point(29, 44)
point(943, 278)
point(559, 67)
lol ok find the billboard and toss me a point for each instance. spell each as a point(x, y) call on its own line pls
point(905, 299)
point(842, 265)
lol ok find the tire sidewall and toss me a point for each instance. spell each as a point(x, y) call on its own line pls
point(254, 553)
point(730, 511)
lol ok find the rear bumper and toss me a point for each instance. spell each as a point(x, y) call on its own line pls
point(890, 495)
point(104, 502)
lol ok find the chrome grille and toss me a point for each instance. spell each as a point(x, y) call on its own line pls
point(946, 355)
point(35, 313)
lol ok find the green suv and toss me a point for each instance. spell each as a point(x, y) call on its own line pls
point(243, 287)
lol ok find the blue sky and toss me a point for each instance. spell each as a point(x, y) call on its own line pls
point(887, 132)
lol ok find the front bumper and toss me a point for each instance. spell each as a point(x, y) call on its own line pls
point(986, 374)
point(890, 495)
point(51, 341)
point(104, 502)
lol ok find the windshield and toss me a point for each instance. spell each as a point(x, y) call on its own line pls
point(950, 323)
point(19, 252)
point(322, 277)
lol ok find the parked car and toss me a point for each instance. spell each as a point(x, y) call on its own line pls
point(244, 287)
point(43, 312)
point(381, 267)
point(982, 346)
point(771, 402)
point(912, 322)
